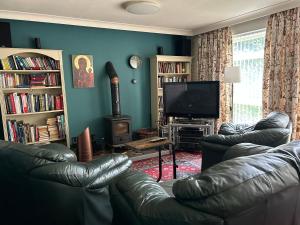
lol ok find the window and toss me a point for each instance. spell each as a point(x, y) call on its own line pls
point(248, 54)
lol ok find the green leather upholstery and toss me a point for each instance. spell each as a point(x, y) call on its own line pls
point(260, 189)
point(46, 185)
point(235, 185)
point(145, 202)
point(274, 130)
point(245, 149)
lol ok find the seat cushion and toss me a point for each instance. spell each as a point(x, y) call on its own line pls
point(237, 184)
point(167, 186)
point(273, 120)
point(153, 206)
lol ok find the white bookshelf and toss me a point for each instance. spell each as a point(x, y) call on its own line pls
point(167, 69)
point(35, 118)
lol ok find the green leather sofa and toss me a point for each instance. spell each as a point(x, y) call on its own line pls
point(47, 186)
point(261, 188)
point(274, 130)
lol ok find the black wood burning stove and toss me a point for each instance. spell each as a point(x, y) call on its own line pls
point(118, 130)
point(118, 127)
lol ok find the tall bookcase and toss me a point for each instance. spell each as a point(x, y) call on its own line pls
point(165, 68)
point(32, 96)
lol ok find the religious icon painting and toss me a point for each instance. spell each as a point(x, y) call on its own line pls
point(83, 72)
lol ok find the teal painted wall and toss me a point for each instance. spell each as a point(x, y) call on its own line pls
point(86, 107)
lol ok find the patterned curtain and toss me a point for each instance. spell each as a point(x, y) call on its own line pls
point(212, 52)
point(281, 90)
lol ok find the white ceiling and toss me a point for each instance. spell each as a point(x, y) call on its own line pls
point(183, 17)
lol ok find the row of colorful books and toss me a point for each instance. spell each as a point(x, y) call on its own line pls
point(172, 67)
point(8, 80)
point(17, 103)
point(16, 62)
point(49, 79)
point(163, 79)
point(24, 133)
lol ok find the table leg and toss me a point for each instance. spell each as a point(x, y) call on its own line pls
point(174, 161)
point(159, 164)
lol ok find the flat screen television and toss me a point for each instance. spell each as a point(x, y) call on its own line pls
point(192, 99)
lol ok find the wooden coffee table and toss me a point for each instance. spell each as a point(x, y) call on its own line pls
point(157, 143)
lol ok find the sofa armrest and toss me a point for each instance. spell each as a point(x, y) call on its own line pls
point(270, 137)
point(93, 175)
point(245, 149)
point(152, 205)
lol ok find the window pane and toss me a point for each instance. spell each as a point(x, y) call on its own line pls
point(248, 54)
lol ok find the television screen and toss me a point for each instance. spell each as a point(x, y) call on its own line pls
point(192, 99)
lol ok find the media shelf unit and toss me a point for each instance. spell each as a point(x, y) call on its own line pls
point(166, 68)
point(40, 116)
point(186, 134)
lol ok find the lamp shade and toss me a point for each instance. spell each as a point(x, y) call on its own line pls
point(232, 74)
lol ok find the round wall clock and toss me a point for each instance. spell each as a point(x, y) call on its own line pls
point(135, 61)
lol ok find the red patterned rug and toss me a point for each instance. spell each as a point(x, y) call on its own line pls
point(188, 163)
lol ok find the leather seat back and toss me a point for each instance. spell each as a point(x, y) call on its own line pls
point(24, 158)
point(237, 184)
point(273, 120)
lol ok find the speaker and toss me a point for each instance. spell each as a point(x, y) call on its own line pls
point(37, 43)
point(183, 47)
point(5, 37)
point(160, 50)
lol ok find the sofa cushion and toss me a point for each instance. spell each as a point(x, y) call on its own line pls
point(57, 153)
point(235, 185)
point(153, 206)
point(273, 120)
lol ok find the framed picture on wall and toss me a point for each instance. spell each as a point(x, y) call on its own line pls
point(83, 71)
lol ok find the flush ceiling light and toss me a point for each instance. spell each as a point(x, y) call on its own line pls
point(142, 7)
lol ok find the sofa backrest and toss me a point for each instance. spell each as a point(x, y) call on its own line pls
point(24, 158)
point(57, 163)
point(273, 120)
point(237, 184)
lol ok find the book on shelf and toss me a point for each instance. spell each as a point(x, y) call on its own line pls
point(16, 62)
point(17, 103)
point(61, 126)
point(161, 80)
point(172, 67)
point(8, 80)
point(53, 128)
point(43, 134)
point(24, 133)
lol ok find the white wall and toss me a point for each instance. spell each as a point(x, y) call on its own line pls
point(248, 26)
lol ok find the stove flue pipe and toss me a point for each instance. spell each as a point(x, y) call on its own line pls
point(114, 87)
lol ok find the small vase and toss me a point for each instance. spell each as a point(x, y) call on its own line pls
point(85, 149)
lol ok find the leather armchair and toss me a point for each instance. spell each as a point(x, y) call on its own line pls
point(46, 185)
point(261, 189)
point(274, 130)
